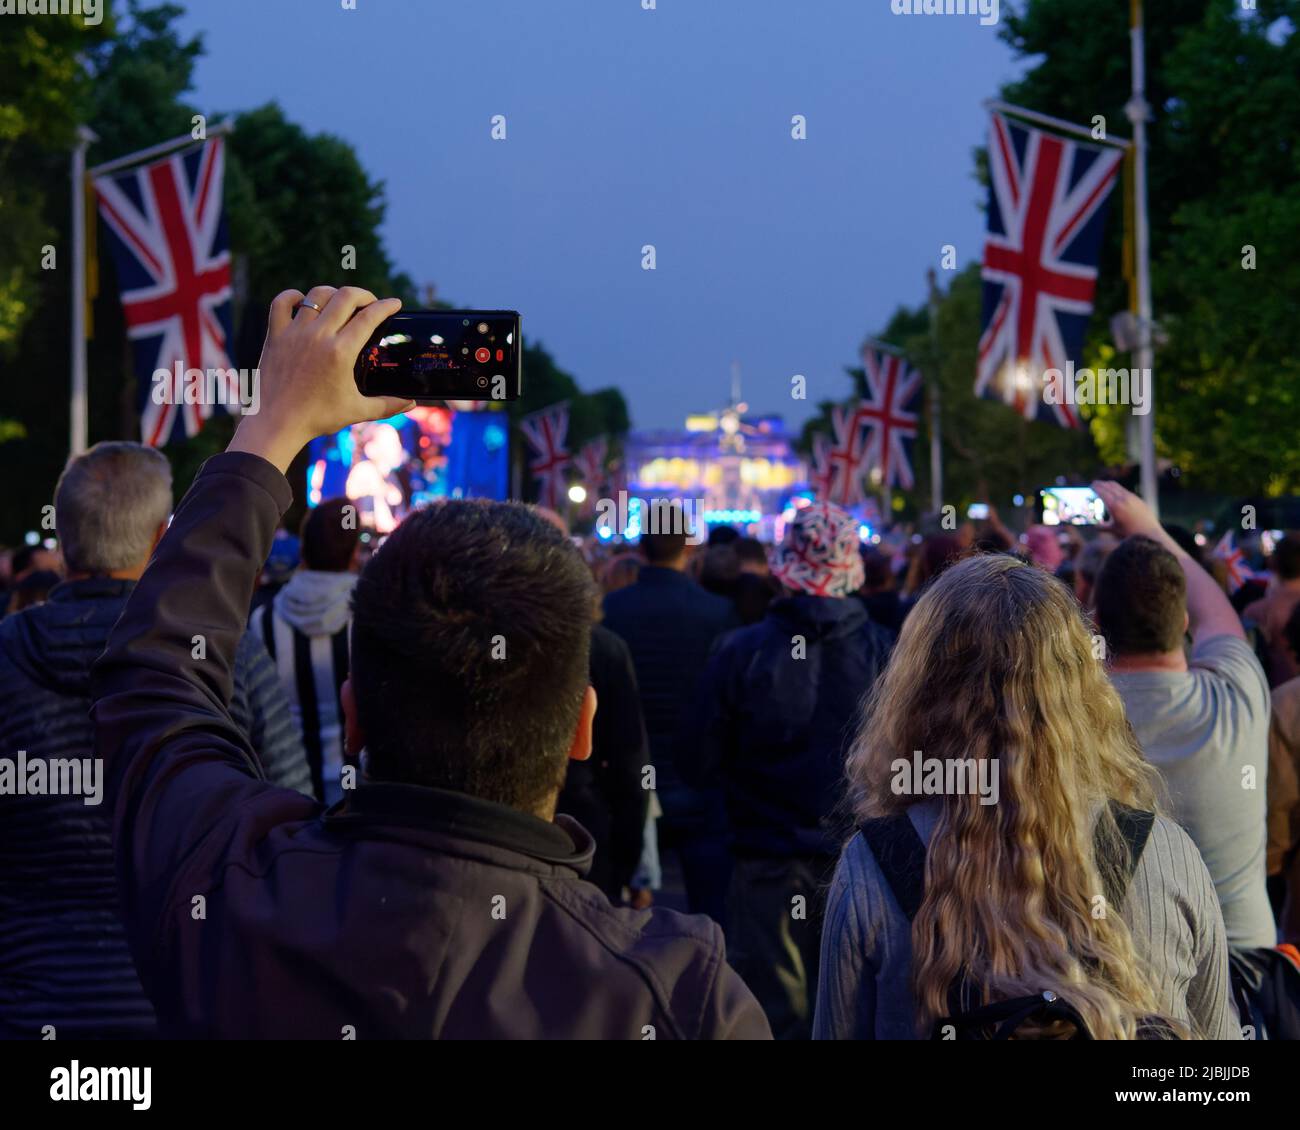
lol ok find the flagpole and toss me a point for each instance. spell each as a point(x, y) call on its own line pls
point(77, 413)
point(1059, 124)
point(1139, 113)
point(141, 155)
point(936, 422)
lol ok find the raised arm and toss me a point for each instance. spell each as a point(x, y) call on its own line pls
point(183, 780)
point(1208, 609)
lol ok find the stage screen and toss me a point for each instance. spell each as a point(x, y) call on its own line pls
point(389, 467)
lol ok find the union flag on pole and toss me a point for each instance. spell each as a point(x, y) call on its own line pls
point(1047, 211)
point(545, 432)
point(838, 474)
point(167, 234)
point(890, 414)
point(590, 462)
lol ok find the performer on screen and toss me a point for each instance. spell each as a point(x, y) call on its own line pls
point(374, 481)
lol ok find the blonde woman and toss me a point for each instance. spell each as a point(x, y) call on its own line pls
point(995, 740)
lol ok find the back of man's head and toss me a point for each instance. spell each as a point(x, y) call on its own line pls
point(1140, 599)
point(329, 536)
point(470, 637)
point(1286, 557)
point(666, 533)
point(108, 506)
point(877, 572)
point(752, 555)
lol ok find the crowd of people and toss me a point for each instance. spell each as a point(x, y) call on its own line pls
point(986, 784)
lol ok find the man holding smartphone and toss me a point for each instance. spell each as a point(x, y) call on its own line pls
point(442, 897)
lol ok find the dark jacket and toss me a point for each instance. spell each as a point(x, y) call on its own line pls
point(777, 710)
point(400, 912)
point(669, 623)
point(63, 954)
point(605, 793)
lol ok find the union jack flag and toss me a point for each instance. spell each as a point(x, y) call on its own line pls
point(590, 462)
point(889, 413)
point(545, 432)
point(167, 233)
point(845, 459)
point(1239, 572)
point(1047, 211)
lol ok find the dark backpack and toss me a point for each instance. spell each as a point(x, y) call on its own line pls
point(901, 856)
point(1266, 987)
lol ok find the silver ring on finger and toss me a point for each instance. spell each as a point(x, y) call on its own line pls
point(310, 306)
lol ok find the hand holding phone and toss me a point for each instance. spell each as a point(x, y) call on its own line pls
point(1129, 514)
point(305, 376)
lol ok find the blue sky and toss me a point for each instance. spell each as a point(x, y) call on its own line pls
point(628, 127)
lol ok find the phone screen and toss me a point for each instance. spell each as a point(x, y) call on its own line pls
point(1072, 506)
point(435, 355)
point(978, 511)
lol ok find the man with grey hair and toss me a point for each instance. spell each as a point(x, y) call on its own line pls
point(64, 960)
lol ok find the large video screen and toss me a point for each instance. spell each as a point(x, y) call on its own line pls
point(390, 467)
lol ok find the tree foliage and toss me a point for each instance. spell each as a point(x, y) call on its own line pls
point(296, 204)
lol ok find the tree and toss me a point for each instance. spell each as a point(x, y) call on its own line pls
point(990, 453)
point(1224, 156)
point(43, 95)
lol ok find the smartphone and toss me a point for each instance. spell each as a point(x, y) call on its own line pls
point(433, 355)
point(1072, 506)
point(977, 511)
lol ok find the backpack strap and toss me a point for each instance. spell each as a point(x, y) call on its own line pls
point(1006, 1016)
point(1134, 828)
point(900, 854)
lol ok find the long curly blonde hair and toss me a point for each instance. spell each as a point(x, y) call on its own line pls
point(996, 662)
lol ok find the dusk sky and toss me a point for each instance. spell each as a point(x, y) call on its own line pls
point(628, 127)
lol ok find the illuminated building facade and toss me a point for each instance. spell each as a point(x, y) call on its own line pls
point(743, 470)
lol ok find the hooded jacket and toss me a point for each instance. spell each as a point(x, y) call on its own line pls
point(305, 629)
point(778, 706)
point(63, 953)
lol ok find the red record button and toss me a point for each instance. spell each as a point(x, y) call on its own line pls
point(482, 355)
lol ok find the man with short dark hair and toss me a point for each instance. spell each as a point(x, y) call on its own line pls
point(1202, 720)
point(443, 897)
point(64, 960)
point(1142, 606)
point(305, 630)
point(1272, 611)
point(669, 623)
